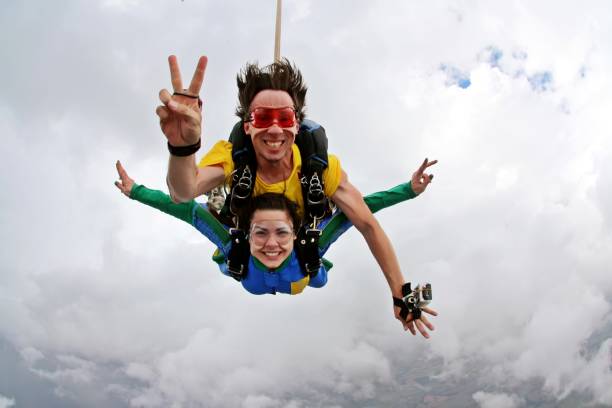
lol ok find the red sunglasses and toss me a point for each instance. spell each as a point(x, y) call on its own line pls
point(266, 117)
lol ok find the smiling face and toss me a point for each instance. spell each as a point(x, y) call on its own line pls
point(273, 143)
point(271, 237)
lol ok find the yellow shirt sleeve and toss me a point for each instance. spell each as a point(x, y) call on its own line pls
point(332, 175)
point(219, 154)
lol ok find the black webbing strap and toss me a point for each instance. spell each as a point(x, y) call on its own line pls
point(243, 178)
point(312, 142)
point(407, 307)
point(307, 250)
point(238, 257)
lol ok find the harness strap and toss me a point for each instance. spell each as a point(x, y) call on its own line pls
point(312, 142)
point(307, 250)
point(238, 257)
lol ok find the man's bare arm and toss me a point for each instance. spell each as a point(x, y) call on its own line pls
point(186, 181)
point(180, 118)
point(351, 202)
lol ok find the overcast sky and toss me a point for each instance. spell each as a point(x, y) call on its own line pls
point(105, 302)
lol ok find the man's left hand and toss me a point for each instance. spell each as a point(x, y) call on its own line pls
point(422, 324)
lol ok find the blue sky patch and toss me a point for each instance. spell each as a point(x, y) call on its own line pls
point(541, 81)
point(493, 55)
point(454, 76)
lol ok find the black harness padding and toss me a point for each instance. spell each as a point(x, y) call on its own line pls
point(243, 177)
point(312, 143)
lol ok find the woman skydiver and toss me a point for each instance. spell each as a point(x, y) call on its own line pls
point(272, 221)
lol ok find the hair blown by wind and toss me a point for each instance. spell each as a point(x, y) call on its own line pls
point(281, 75)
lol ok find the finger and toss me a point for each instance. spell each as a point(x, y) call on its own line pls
point(162, 112)
point(410, 327)
point(429, 311)
point(175, 74)
point(165, 96)
point(121, 188)
point(183, 110)
point(431, 163)
point(198, 76)
point(426, 322)
point(425, 179)
point(421, 327)
point(421, 168)
point(122, 173)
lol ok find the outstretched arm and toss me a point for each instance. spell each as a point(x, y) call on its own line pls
point(352, 204)
point(339, 223)
point(153, 198)
point(190, 212)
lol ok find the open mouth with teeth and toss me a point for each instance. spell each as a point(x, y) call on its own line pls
point(274, 144)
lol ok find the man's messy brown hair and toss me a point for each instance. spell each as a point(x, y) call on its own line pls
point(281, 75)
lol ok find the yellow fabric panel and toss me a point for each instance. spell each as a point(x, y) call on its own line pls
point(221, 154)
point(298, 287)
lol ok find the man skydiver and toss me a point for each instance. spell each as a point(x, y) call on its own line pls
point(266, 95)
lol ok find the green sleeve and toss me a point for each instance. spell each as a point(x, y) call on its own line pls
point(163, 202)
point(375, 202)
point(384, 199)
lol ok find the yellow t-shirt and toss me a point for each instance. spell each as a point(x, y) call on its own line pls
point(221, 154)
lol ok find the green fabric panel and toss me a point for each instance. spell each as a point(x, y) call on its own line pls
point(163, 202)
point(214, 224)
point(218, 256)
point(375, 202)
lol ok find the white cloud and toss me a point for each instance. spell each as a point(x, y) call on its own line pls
point(492, 400)
point(98, 292)
point(6, 402)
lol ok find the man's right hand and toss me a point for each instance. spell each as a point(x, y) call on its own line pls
point(180, 117)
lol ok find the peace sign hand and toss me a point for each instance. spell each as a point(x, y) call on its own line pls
point(180, 116)
point(420, 179)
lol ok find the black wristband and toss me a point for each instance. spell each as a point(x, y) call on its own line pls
point(183, 151)
point(185, 94)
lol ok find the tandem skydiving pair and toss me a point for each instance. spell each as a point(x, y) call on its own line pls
point(288, 200)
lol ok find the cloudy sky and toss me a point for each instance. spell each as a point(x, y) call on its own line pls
point(104, 302)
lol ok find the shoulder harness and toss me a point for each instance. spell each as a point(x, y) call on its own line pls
point(312, 143)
